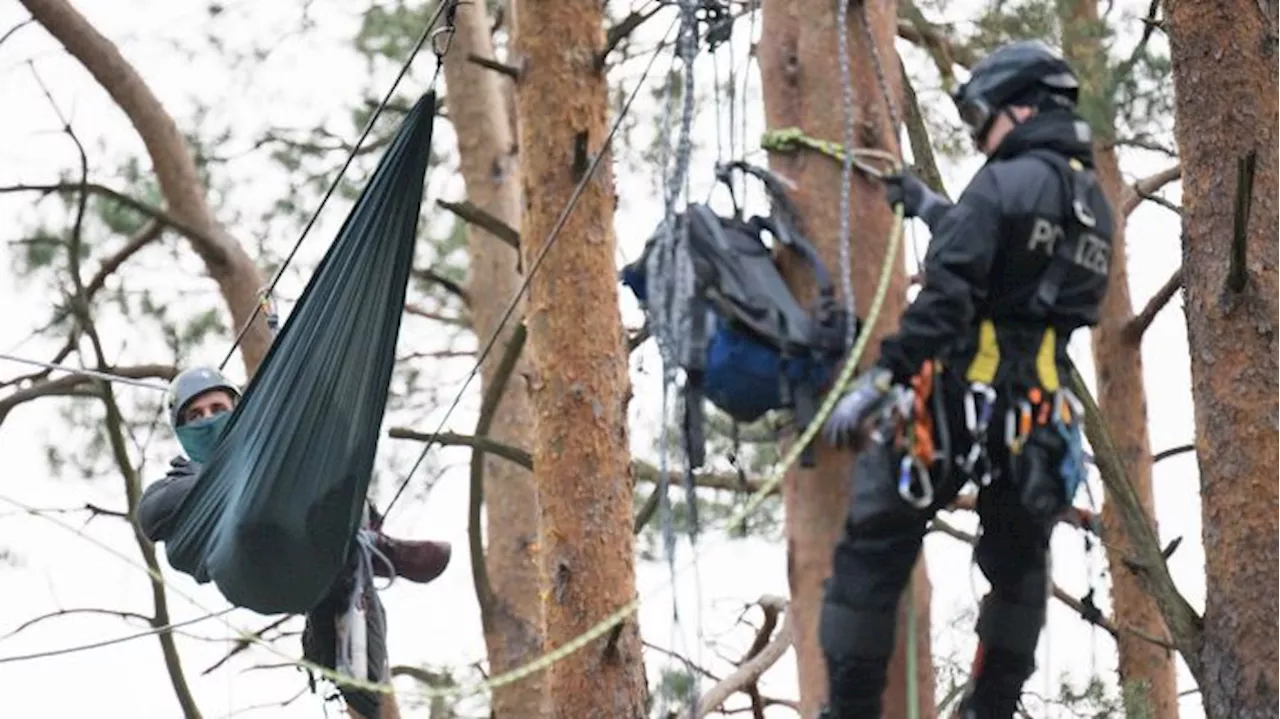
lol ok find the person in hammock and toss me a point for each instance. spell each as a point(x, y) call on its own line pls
point(200, 401)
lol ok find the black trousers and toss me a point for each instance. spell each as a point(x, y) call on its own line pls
point(882, 538)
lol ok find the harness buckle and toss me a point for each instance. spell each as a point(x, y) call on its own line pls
point(911, 468)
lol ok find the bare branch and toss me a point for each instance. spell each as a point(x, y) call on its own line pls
point(1149, 26)
point(149, 233)
point(488, 407)
point(920, 32)
point(1137, 326)
point(141, 207)
point(453, 288)
point(83, 610)
point(477, 216)
point(1173, 452)
point(226, 261)
point(484, 444)
point(759, 659)
point(1145, 142)
point(79, 385)
point(501, 68)
point(420, 311)
point(1146, 187)
point(9, 33)
point(1185, 625)
point(621, 31)
point(244, 643)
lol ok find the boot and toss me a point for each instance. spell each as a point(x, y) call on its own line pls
point(416, 561)
point(995, 689)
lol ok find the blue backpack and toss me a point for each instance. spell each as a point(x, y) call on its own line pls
point(750, 346)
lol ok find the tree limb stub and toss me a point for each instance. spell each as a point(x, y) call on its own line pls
point(1137, 326)
point(1145, 187)
point(475, 215)
point(490, 64)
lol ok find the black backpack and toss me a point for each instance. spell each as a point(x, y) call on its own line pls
point(751, 346)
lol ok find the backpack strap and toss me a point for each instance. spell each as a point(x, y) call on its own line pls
point(1076, 181)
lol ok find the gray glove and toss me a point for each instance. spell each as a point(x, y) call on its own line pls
point(162, 500)
point(869, 394)
point(916, 197)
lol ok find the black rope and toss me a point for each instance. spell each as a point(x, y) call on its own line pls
point(533, 268)
point(441, 39)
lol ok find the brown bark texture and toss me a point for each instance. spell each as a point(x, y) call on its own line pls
point(802, 88)
point(1146, 670)
point(580, 381)
point(239, 279)
point(1224, 71)
point(513, 618)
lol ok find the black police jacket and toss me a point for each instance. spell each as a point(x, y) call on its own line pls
point(990, 250)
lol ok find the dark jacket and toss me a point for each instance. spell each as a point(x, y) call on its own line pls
point(990, 250)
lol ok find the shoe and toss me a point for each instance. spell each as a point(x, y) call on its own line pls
point(420, 561)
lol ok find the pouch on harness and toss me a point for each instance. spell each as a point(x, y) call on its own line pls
point(751, 346)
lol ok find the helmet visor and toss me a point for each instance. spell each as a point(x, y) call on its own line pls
point(977, 116)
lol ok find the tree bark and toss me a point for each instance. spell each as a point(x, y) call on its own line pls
point(1224, 71)
point(238, 278)
point(513, 618)
point(802, 88)
point(1146, 670)
point(580, 364)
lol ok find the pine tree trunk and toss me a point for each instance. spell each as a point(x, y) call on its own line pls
point(1224, 71)
point(1146, 670)
point(802, 88)
point(580, 364)
point(513, 619)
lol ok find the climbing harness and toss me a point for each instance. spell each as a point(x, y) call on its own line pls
point(914, 438)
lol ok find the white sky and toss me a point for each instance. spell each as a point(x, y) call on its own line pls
point(311, 78)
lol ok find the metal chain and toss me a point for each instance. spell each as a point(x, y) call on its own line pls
point(846, 170)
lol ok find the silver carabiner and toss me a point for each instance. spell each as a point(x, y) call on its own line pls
point(912, 466)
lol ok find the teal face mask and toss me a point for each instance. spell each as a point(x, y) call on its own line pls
point(200, 437)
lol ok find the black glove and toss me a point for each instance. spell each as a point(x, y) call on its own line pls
point(915, 196)
point(869, 394)
point(180, 467)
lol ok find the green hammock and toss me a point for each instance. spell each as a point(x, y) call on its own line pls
point(278, 503)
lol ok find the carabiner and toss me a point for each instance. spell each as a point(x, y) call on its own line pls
point(912, 466)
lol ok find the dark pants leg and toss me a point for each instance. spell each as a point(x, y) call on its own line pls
point(1013, 553)
point(871, 567)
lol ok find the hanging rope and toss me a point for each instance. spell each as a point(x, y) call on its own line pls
point(441, 39)
point(671, 289)
point(550, 241)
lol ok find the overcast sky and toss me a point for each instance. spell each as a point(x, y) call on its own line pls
point(311, 78)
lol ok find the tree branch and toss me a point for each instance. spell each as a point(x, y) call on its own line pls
point(488, 407)
point(420, 311)
point(452, 439)
point(79, 385)
point(919, 31)
point(1148, 563)
point(1145, 187)
point(453, 288)
point(149, 233)
point(1149, 26)
point(244, 643)
point(501, 68)
point(226, 261)
point(762, 655)
point(1137, 326)
point(155, 213)
point(1173, 452)
point(621, 31)
point(83, 610)
point(477, 216)
point(918, 135)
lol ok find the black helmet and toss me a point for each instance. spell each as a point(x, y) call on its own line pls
point(1028, 71)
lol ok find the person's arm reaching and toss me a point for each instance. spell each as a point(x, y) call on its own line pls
point(955, 276)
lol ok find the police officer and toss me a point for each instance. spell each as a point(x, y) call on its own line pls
point(1015, 265)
